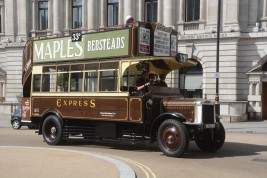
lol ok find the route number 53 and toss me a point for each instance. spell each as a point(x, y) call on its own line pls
point(77, 36)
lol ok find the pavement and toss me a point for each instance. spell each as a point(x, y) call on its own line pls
point(257, 127)
point(93, 164)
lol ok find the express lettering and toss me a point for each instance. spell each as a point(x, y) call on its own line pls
point(76, 103)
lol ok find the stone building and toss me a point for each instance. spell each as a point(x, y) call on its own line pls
point(242, 72)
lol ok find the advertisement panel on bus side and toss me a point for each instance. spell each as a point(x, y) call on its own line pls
point(96, 45)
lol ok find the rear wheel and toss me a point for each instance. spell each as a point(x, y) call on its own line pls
point(211, 140)
point(16, 124)
point(173, 138)
point(52, 130)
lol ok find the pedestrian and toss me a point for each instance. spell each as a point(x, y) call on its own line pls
point(129, 21)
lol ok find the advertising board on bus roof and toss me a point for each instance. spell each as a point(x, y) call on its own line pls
point(95, 45)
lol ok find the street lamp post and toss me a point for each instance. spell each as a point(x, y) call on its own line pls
point(217, 105)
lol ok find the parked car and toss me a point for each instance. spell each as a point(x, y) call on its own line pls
point(17, 122)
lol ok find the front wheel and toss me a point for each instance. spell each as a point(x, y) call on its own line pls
point(211, 140)
point(52, 130)
point(173, 138)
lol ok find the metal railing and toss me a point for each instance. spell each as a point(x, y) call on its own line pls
point(194, 25)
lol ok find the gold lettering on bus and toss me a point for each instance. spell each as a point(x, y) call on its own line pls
point(75, 103)
point(92, 103)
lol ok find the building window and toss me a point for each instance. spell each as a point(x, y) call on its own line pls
point(2, 15)
point(43, 15)
point(2, 84)
point(192, 9)
point(264, 67)
point(151, 10)
point(76, 14)
point(113, 12)
point(191, 81)
point(0, 22)
point(1, 26)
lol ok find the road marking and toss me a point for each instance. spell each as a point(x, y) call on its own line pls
point(125, 170)
point(144, 168)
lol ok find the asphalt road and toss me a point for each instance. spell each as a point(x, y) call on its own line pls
point(24, 154)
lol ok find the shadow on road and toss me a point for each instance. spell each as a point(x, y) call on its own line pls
point(229, 149)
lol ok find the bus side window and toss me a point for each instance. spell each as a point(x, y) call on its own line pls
point(90, 81)
point(76, 81)
point(128, 81)
point(62, 82)
point(37, 82)
point(49, 82)
point(108, 81)
point(108, 76)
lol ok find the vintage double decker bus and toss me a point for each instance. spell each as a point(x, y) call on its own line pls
point(84, 85)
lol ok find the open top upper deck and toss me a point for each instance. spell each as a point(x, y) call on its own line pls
point(140, 39)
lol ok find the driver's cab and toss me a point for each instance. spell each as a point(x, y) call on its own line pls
point(156, 69)
point(147, 103)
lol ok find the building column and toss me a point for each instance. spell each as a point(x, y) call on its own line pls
point(1, 90)
point(103, 13)
point(202, 10)
point(141, 11)
point(181, 15)
point(10, 15)
point(264, 15)
point(169, 13)
point(212, 13)
point(91, 14)
point(2, 11)
point(231, 15)
point(250, 88)
point(160, 11)
point(22, 20)
point(129, 9)
point(253, 15)
point(84, 16)
point(56, 17)
point(34, 17)
point(50, 18)
point(258, 93)
point(258, 88)
point(121, 12)
point(202, 17)
point(67, 17)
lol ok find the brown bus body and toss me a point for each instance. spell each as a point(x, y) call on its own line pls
point(86, 87)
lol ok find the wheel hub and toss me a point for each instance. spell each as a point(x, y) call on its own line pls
point(53, 130)
point(171, 138)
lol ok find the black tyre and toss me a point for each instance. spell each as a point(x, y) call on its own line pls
point(212, 139)
point(173, 138)
point(16, 124)
point(52, 130)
